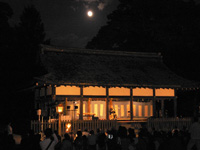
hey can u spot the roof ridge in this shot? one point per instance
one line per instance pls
(95, 51)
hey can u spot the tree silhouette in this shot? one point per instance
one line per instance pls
(31, 34)
(6, 39)
(171, 27)
(5, 13)
(6, 31)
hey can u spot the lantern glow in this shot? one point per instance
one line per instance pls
(67, 126)
(59, 108)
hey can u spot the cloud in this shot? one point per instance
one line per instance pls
(88, 1)
(101, 4)
(73, 8)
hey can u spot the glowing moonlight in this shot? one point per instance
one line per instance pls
(90, 13)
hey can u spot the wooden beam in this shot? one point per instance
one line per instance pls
(65, 106)
(81, 104)
(89, 107)
(163, 108)
(175, 107)
(154, 103)
(107, 103)
(53, 93)
(131, 103)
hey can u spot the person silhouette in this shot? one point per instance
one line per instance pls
(194, 135)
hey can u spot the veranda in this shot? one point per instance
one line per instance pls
(159, 124)
(74, 125)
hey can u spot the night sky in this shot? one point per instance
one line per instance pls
(65, 21)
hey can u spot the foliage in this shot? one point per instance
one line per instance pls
(19, 47)
(5, 29)
(171, 27)
(30, 34)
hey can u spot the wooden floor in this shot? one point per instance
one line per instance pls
(134, 120)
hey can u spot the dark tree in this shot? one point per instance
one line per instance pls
(6, 33)
(24, 65)
(5, 29)
(6, 39)
(30, 35)
(171, 27)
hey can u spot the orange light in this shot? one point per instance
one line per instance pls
(67, 126)
(59, 108)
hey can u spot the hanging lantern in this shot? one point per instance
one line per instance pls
(59, 108)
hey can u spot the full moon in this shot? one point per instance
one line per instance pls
(90, 13)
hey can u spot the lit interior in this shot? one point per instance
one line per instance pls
(67, 90)
(127, 109)
(164, 92)
(142, 92)
(101, 110)
(96, 109)
(134, 110)
(116, 110)
(83, 108)
(122, 110)
(146, 111)
(140, 110)
(100, 91)
(78, 110)
(119, 91)
(151, 112)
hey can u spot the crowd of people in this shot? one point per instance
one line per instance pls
(114, 139)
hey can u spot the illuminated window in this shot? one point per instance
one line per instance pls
(101, 110)
(96, 109)
(140, 110)
(83, 108)
(134, 110)
(151, 110)
(116, 109)
(78, 110)
(127, 109)
(146, 111)
(122, 110)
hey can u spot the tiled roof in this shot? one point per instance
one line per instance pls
(108, 68)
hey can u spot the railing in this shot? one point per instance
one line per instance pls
(104, 125)
(167, 124)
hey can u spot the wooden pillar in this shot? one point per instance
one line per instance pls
(154, 103)
(175, 107)
(107, 103)
(163, 107)
(89, 106)
(53, 98)
(81, 104)
(131, 103)
(110, 104)
(45, 90)
(53, 92)
(65, 106)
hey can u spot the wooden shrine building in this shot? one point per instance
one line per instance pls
(97, 84)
